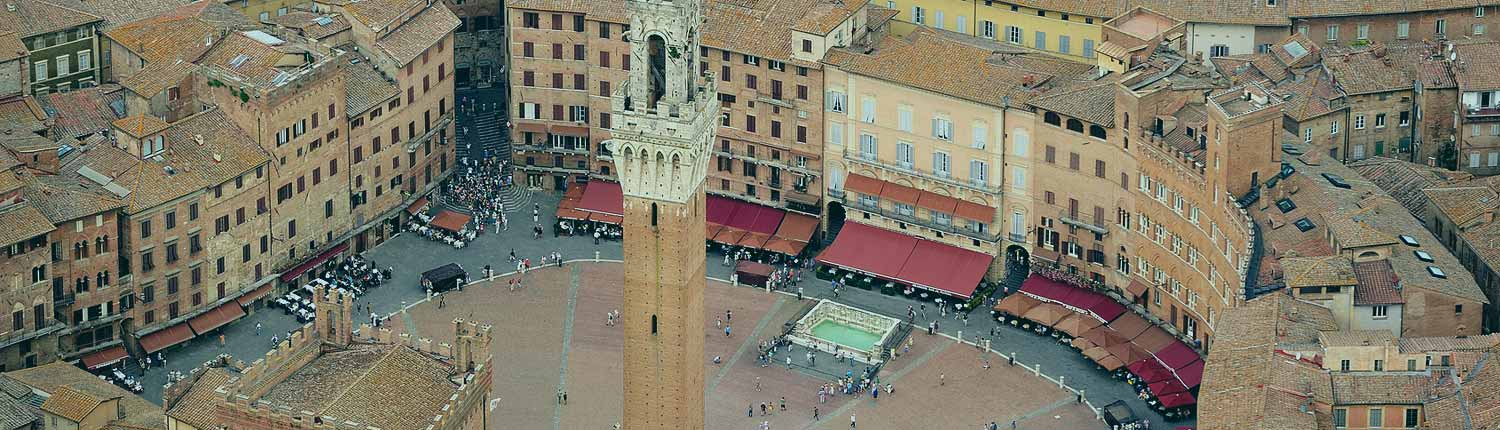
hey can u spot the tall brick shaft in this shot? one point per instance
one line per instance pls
(667, 114)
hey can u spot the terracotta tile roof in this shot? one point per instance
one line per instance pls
(101, 156)
(21, 142)
(140, 125)
(256, 63)
(120, 12)
(1463, 204)
(11, 47)
(1367, 205)
(379, 14)
(313, 25)
(1092, 103)
(1406, 180)
(1361, 388)
(158, 76)
(22, 114)
(1345, 338)
(1312, 96)
(226, 152)
(1329, 8)
(1410, 345)
(50, 378)
(71, 403)
(1351, 231)
(179, 34)
(1469, 405)
(64, 199)
(1477, 62)
(365, 88)
(1384, 68)
(975, 74)
(196, 407)
(417, 34)
(1377, 284)
(22, 221)
(1247, 12)
(1248, 383)
(1322, 271)
(83, 111)
(355, 385)
(36, 17)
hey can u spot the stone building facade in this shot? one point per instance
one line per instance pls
(479, 43)
(565, 57)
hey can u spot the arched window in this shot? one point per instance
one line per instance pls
(1075, 125)
(1052, 118)
(1097, 131)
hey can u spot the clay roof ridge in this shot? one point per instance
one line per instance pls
(357, 381)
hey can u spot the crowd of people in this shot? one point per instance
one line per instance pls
(475, 188)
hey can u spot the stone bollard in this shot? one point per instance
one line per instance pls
(1037, 371)
(596, 255)
(1060, 379)
(960, 336)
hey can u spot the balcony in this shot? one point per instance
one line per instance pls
(12, 338)
(1481, 111)
(64, 300)
(906, 168)
(441, 124)
(550, 149)
(721, 151)
(1017, 237)
(1083, 221)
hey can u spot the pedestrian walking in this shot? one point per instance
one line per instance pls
(726, 331)
(942, 379)
(783, 403)
(257, 328)
(718, 322)
(757, 383)
(815, 413)
(728, 315)
(221, 340)
(851, 421)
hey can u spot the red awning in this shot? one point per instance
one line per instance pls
(797, 227)
(1045, 289)
(575, 193)
(974, 211)
(570, 130)
(720, 210)
(946, 267)
(1177, 356)
(569, 213)
(788, 247)
(1192, 374)
(768, 220)
(869, 250)
(607, 218)
(417, 205)
(451, 221)
(922, 263)
(899, 193)
(937, 203)
(104, 357)
(289, 275)
(161, 339)
(863, 184)
(1150, 371)
(1177, 400)
(216, 318)
(250, 297)
(530, 127)
(603, 197)
(709, 230)
(1136, 288)
(754, 240)
(729, 236)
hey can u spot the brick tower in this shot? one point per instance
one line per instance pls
(666, 116)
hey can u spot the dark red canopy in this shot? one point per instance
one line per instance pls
(1166, 386)
(906, 259)
(1177, 356)
(603, 197)
(1177, 400)
(1191, 375)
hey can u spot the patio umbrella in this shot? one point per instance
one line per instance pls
(1153, 373)
(1076, 324)
(1096, 353)
(1177, 400)
(1128, 352)
(1165, 387)
(1082, 343)
(1110, 363)
(1047, 314)
(1017, 304)
(1104, 336)
(1130, 325)
(1153, 339)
